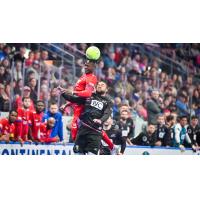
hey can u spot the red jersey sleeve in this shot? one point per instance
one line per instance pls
(89, 88)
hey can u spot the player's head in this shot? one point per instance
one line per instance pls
(194, 120)
(92, 57)
(40, 106)
(27, 91)
(171, 120)
(12, 116)
(53, 108)
(151, 128)
(26, 102)
(51, 122)
(124, 114)
(108, 122)
(155, 94)
(161, 119)
(101, 87)
(89, 66)
(183, 120)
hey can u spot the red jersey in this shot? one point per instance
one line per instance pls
(18, 103)
(24, 115)
(35, 120)
(23, 122)
(44, 134)
(6, 127)
(85, 85)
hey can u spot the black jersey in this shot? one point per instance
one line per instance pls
(144, 139)
(194, 134)
(127, 125)
(163, 135)
(117, 136)
(95, 107)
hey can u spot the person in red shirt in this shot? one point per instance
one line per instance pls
(7, 127)
(45, 131)
(36, 120)
(23, 121)
(19, 101)
(84, 87)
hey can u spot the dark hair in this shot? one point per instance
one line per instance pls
(25, 98)
(194, 117)
(39, 101)
(13, 111)
(183, 116)
(53, 103)
(169, 118)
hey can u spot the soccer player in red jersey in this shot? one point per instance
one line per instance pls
(19, 101)
(84, 87)
(7, 127)
(36, 120)
(23, 121)
(45, 131)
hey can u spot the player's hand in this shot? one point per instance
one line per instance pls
(60, 89)
(158, 143)
(194, 148)
(182, 148)
(115, 150)
(21, 142)
(30, 141)
(98, 121)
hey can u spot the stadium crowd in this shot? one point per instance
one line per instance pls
(139, 85)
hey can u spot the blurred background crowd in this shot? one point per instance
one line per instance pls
(147, 79)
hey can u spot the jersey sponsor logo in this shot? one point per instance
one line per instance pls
(161, 134)
(97, 104)
(189, 131)
(144, 138)
(182, 137)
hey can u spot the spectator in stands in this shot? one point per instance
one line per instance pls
(4, 99)
(18, 70)
(33, 93)
(5, 53)
(109, 60)
(6, 63)
(5, 77)
(7, 127)
(154, 107)
(37, 55)
(147, 137)
(18, 88)
(182, 105)
(30, 59)
(116, 105)
(20, 55)
(58, 128)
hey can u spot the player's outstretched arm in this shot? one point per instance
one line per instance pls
(73, 98)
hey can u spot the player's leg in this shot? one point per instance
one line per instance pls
(74, 127)
(80, 142)
(93, 144)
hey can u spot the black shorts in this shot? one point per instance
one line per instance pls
(87, 141)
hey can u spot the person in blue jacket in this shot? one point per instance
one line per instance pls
(58, 127)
